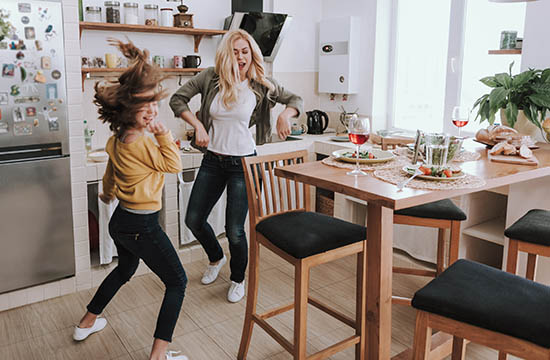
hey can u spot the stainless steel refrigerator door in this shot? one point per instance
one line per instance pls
(36, 234)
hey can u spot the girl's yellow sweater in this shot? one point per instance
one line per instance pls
(135, 171)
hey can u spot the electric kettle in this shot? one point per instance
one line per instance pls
(317, 122)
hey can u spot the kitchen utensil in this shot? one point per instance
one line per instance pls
(193, 61)
(417, 171)
(298, 129)
(317, 122)
(513, 159)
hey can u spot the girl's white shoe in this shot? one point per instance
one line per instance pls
(82, 333)
(173, 355)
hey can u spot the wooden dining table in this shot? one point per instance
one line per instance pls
(383, 198)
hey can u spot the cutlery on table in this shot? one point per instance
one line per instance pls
(417, 171)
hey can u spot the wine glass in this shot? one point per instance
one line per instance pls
(460, 117)
(358, 132)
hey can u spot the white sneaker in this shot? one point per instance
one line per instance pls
(236, 292)
(173, 355)
(82, 333)
(212, 271)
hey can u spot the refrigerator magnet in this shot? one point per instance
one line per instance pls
(8, 70)
(30, 34)
(24, 7)
(39, 77)
(46, 62)
(25, 19)
(56, 74)
(35, 123)
(43, 14)
(31, 111)
(20, 55)
(22, 129)
(14, 90)
(4, 127)
(3, 98)
(3, 45)
(51, 91)
(38, 45)
(18, 114)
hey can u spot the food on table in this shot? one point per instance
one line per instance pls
(496, 133)
(362, 155)
(525, 152)
(503, 148)
(442, 173)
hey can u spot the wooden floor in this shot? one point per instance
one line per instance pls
(209, 328)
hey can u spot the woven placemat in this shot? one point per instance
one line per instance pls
(462, 156)
(398, 161)
(397, 175)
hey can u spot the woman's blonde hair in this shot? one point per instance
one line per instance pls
(120, 100)
(228, 69)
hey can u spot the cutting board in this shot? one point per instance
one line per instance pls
(514, 159)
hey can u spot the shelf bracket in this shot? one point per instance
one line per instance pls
(198, 39)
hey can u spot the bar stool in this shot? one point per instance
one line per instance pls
(281, 220)
(530, 234)
(442, 214)
(487, 306)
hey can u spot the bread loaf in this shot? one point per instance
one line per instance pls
(483, 135)
(500, 132)
(498, 148)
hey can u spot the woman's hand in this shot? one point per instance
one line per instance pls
(157, 128)
(283, 125)
(105, 199)
(201, 136)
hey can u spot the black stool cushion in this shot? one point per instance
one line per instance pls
(533, 227)
(486, 297)
(302, 234)
(442, 209)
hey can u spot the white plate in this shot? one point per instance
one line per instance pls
(455, 176)
(380, 156)
(340, 138)
(98, 156)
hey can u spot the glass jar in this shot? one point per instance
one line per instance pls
(131, 13)
(151, 15)
(93, 13)
(112, 12)
(166, 17)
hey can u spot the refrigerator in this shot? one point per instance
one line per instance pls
(36, 222)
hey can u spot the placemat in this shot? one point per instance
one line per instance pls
(398, 161)
(397, 175)
(462, 156)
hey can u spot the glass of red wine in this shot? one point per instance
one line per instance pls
(358, 132)
(460, 117)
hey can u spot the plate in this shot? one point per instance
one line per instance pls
(380, 156)
(456, 176)
(98, 156)
(340, 138)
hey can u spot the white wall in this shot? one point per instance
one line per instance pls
(536, 44)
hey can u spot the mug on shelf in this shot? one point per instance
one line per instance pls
(158, 60)
(193, 61)
(298, 129)
(112, 61)
(179, 61)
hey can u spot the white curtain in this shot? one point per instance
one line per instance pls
(107, 248)
(216, 218)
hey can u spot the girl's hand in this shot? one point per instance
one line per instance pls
(157, 128)
(105, 199)
(201, 136)
(283, 125)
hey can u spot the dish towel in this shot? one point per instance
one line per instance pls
(107, 248)
(216, 218)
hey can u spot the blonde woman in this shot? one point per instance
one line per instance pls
(235, 95)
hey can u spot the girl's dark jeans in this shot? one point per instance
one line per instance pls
(138, 236)
(217, 172)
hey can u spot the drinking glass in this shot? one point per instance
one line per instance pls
(358, 132)
(460, 117)
(437, 148)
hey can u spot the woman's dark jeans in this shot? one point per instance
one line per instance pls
(217, 172)
(137, 237)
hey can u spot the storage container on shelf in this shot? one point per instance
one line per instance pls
(112, 12)
(131, 13)
(151, 14)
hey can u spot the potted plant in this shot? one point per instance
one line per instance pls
(522, 99)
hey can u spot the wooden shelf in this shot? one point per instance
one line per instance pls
(198, 34)
(505, 52)
(87, 72)
(492, 230)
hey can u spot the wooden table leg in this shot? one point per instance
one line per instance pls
(379, 281)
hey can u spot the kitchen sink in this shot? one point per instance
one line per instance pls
(276, 139)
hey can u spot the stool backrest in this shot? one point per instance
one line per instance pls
(268, 194)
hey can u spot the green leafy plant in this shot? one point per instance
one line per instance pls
(528, 91)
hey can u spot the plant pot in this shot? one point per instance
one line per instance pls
(524, 126)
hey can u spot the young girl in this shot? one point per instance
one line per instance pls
(235, 95)
(135, 176)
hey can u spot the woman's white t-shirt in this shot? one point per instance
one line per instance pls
(229, 134)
